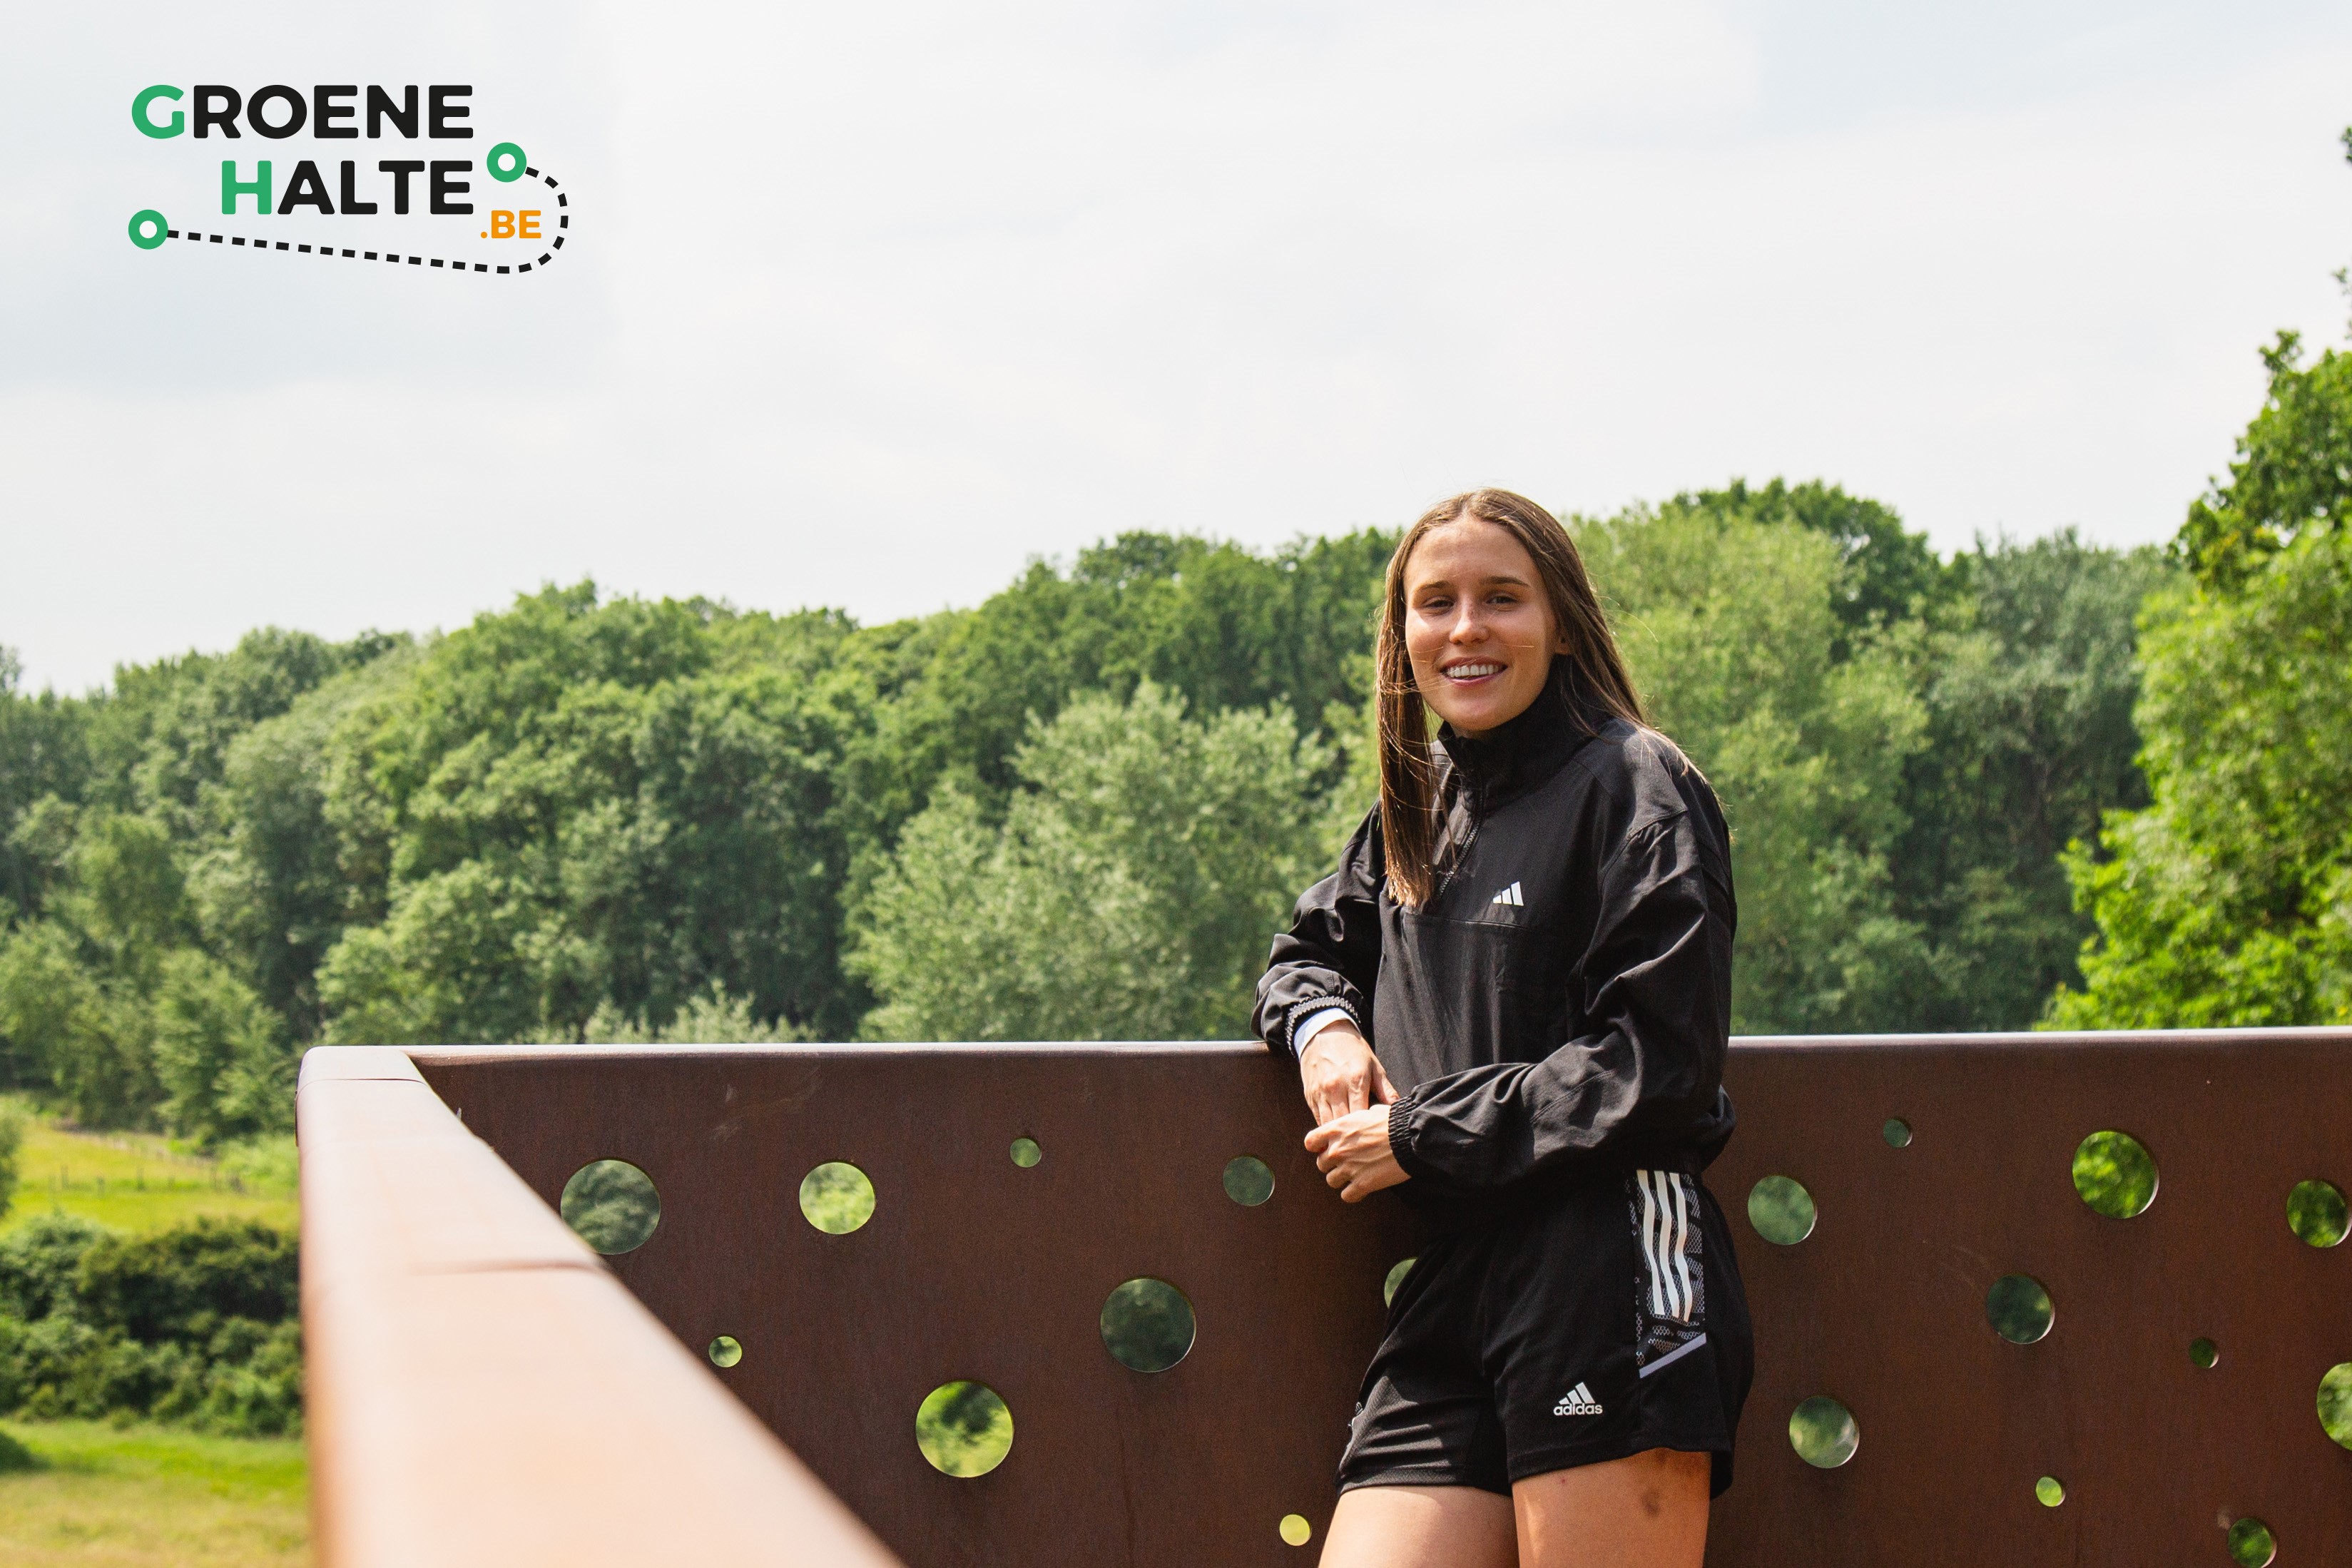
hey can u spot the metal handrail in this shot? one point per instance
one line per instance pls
(483, 1391)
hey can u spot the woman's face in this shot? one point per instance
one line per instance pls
(1477, 626)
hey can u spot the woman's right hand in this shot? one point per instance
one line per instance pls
(1340, 1075)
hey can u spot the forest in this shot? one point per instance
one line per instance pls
(2035, 782)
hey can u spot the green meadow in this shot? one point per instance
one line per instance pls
(83, 1494)
(138, 1181)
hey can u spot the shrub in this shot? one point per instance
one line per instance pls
(182, 1283)
(194, 1325)
(40, 1263)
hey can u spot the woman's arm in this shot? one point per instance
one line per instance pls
(1330, 956)
(1648, 1069)
(1314, 1002)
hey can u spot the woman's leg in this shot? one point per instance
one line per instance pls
(1422, 1527)
(1648, 1511)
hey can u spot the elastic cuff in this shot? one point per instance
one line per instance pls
(1307, 1011)
(1402, 1132)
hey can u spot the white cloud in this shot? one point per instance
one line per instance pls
(868, 303)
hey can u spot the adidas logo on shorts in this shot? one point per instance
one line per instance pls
(1577, 1401)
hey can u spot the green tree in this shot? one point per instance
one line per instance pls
(60, 1027)
(50, 1004)
(1130, 892)
(2029, 685)
(268, 878)
(1221, 625)
(44, 755)
(77, 988)
(2228, 900)
(220, 1060)
(2293, 475)
(160, 738)
(573, 804)
(1733, 624)
(710, 1017)
(1890, 574)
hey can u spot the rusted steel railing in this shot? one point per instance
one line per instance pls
(483, 1391)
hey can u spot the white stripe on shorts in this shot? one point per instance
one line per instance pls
(1650, 1245)
(1682, 1243)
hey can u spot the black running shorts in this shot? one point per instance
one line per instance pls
(1601, 1321)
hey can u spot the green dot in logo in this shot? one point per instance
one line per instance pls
(142, 222)
(501, 169)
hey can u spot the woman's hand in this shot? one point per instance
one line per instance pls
(1339, 1073)
(1354, 1153)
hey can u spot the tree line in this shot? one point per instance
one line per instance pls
(2031, 782)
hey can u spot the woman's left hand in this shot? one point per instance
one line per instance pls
(1354, 1156)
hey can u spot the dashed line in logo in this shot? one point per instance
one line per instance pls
(161, 231)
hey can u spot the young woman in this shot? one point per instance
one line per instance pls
(1533, 931)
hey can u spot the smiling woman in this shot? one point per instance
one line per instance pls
(1481, 593)
(1535, 926)
(1476, 628)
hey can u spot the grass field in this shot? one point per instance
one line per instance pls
(148, 1497)
(136, 1181)
(97, 1496)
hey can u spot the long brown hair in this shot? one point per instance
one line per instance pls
(1410, 809)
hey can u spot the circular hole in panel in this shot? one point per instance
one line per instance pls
(2116, 1174)
(2019, 1309)
(1247, 1181)
(836, 1198)
(2204, 1353)
(1897, 1132)
(2314, 1211)
(2252, 1544)
(2049, 1492)
(1147, 1324)
(1025, 1152)
(725, 1350)
(963, 1429)
(612, 1205)
(1781, 1210)
(1395, 1278)
(1823, 1432)
(2335, 1402)
(1295, 1530)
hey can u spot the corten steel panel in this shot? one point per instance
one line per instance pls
(1883, 1307)
(972, 1268)
(480, 1387)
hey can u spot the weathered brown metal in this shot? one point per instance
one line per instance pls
(1882, 1308)
(483, 1393)
(974, 1267)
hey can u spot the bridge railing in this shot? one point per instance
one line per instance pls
(2003, 1370)
(483, 1391)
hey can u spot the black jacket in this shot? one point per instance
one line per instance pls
(1562, 1003)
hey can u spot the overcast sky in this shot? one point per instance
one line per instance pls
(865, 305)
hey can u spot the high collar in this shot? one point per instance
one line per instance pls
(1513, 758)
